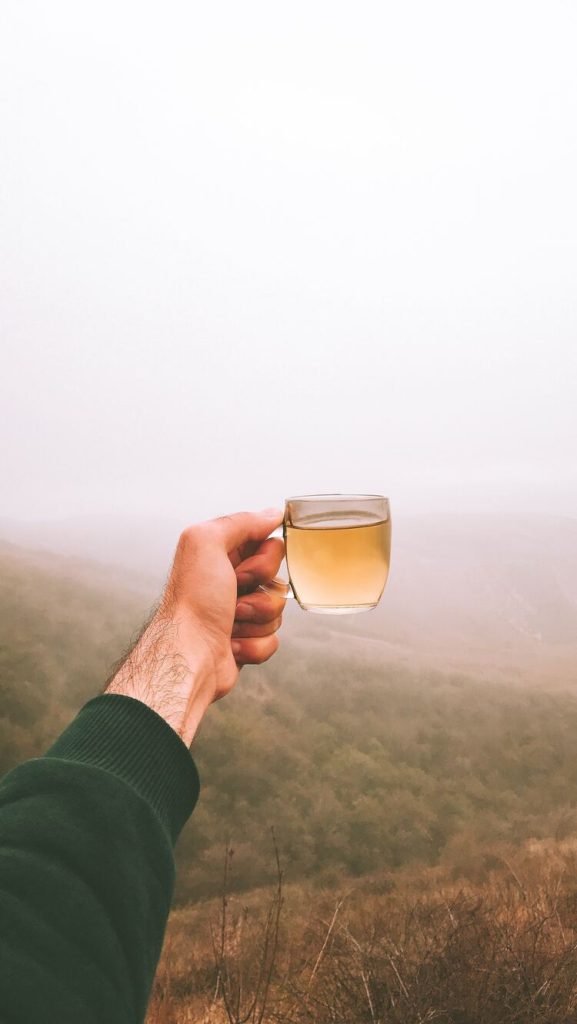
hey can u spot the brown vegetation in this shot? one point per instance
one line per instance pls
(498, 947)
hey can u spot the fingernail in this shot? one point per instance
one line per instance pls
(235, 647)
(245, 579)
(272, 512)
(244, 611)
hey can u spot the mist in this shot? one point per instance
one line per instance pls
(250, 251)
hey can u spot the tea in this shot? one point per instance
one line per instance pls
(340, 565)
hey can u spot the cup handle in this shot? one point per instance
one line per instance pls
(277, 586)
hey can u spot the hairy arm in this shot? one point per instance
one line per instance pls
(159, 673)
(87, 831)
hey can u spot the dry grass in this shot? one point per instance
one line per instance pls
(497, 947)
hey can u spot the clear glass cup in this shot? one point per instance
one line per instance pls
(337, 549)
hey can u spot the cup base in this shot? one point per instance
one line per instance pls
(341, 609)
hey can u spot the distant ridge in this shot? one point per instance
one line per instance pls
(494, 594)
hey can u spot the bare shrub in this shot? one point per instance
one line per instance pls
(500, 951)
(245, 951)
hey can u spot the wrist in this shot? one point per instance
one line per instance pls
(171, 671)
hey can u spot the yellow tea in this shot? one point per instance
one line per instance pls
(340, 565)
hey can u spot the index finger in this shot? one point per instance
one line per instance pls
(242, 527)
(263, 565)
(259, 606)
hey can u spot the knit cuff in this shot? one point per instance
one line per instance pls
(127, 738)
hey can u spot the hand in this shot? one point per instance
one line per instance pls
(211, 620)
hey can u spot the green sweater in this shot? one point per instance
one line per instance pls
(86, 866)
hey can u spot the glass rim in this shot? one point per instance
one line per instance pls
(337, 497)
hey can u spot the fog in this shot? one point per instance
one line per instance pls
(252, 250)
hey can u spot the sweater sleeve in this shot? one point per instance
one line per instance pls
(86, 866)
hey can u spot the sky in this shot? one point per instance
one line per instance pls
(255, 250)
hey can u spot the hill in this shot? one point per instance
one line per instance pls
(357, 761)
(494, 595)
(63, 623)
(496, 945)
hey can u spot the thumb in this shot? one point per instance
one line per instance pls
(241, 527)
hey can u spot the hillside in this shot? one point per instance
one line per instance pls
(493, 595)
(358, 762)
(63, 623)
(493, 945)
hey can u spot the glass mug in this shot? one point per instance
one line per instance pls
(337, 549)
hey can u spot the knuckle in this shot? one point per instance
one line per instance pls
(262, 613)
(191, 537)
(262, 653)
(223, 519)
(231, 517)
(270, 648)
(210, 526)
(187, 537)
(274, 606)
(260, 610)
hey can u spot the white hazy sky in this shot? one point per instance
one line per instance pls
(257, 249)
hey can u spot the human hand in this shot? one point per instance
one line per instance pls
(211, 620)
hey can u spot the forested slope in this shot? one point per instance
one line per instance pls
(357, 764)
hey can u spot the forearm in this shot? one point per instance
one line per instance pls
(170, 670)
(86, 866)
